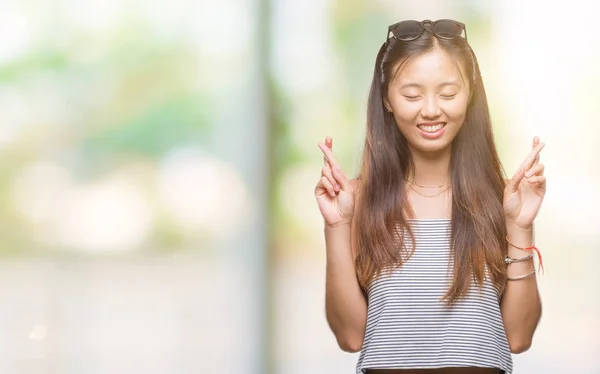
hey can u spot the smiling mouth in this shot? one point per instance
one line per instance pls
(432, 127)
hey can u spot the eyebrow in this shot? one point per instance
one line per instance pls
(440, 85)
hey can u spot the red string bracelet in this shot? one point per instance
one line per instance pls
(533, 247)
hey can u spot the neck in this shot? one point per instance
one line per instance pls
(431, 168)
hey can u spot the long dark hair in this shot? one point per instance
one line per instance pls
(382, 210)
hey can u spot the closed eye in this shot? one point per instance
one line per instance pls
(411, 98)
(448, 97)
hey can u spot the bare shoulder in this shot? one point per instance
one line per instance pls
(355, 183)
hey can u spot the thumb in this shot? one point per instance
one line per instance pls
(513, 184)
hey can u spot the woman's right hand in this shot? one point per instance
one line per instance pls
(334, 192)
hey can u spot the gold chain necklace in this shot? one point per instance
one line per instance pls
(418, 185)
(437, 194)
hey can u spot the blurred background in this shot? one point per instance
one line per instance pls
(158, 162)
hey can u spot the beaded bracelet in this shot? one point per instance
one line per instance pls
(533, 247)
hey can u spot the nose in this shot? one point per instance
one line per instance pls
(430, 108)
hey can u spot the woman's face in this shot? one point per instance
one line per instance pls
(429, 98)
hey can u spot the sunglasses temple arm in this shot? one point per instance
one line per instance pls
(466, 35)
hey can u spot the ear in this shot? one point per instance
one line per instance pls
(387, 105)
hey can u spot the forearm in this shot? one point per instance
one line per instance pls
(521, 306)
(346, 307)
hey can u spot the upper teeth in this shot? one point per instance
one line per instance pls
(433, 128)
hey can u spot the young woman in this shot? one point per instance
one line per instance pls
(430, 265)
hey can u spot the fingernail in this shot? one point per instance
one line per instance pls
(528, 174)
(337, 186)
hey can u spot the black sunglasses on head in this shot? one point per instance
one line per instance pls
(411, 30)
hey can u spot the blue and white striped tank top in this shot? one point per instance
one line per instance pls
(409, 327)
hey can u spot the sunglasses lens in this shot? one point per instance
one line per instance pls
(407, 30)
(447, 29)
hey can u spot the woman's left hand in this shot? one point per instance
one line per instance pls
(525, 192)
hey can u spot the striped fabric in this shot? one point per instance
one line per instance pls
(408, 327)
